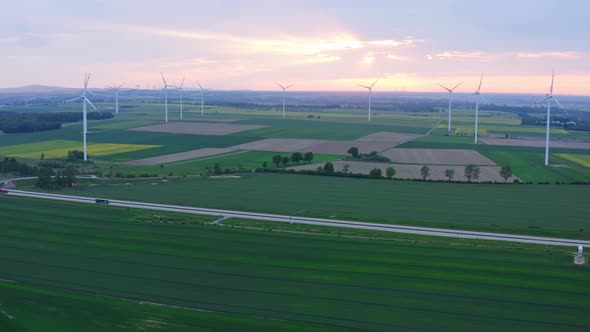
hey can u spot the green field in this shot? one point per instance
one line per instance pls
(556, 210)
(73, 264)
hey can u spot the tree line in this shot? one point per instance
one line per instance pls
(12, 122)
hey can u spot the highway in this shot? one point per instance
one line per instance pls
(452, 233)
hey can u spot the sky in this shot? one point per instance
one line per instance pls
(331, 45)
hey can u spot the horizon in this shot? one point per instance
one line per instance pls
(331, 46)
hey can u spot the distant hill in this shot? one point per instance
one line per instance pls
(36, 89)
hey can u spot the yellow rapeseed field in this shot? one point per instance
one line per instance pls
(580, 159)
(60, 148)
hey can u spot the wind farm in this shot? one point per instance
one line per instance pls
(322, 170)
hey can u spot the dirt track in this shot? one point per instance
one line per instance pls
(315, 146)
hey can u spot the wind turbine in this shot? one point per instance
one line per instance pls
(370, 88)
(450, 101)
(477, 95)
(284, 89)
(549, 97)
(165, 88)
(84, 113)
(180, 88)
(200, 87)
(116, 88)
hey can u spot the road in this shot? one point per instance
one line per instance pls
(315, 221)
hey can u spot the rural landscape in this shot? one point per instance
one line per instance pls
(174, 203)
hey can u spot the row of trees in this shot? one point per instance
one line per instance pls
(15, 167)
(373, 156)
(296, 157)
(50, 179)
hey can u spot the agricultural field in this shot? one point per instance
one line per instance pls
(437, 157)
(198, 128)
(492, 207)
(67, 266)
(412, 171)
(580, 159)
(49, 150)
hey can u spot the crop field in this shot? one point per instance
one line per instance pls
(93, 257)
(397, 138)
(468, 206)
(48, 148)
(197, 128)
(538, 143)
(437, 157)
(580, 159)
(170, 158)
(526, 162)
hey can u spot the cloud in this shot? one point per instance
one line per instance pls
(462, 55)
(369, 59)
(545, 55)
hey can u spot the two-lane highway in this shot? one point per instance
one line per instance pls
(315, 221)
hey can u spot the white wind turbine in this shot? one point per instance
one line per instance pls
(201, 88)
(165, 88)
(284, 89)
(450, 101)
(116, 88)
(370, 88)
(549, 97)
(84, 113)
(477, 95)
(180, 88)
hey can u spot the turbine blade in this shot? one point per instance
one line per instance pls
(372, 85)
(456, 86)
(484, 100)
(74, 99)
(444, 87)
(541, 100)
(552, 79)
(182, 83)
(288, 86)
(282, 87)
(199, 83)
(89, 102)
(364, 86)
(163, 79)
(480, 80)
(90, 92)
(555, 100)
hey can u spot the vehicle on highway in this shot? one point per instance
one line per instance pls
(3, 191)
(102, 201)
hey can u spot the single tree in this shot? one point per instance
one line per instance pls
(265, 164)
(42, 156)
(285, 160)
(276, 159)
(353, 151)
(390, 172)
(450, 174)
(471, 172)
(375, 173)
(308, 157)
(217, 169)
(44, 177)
(296, 157)
(345, 168)
(506, 172)
(425, 172)
(329, 168)
(69, 175)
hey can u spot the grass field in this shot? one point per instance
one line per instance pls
(64, 255)
(476, 206)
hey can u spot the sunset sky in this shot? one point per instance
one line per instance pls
(316, 45)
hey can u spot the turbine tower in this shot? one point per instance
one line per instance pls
(284, 89)
(370, 88)
(478, 95)
(116, 88)
(84, 113)
(450, 101)
(165, 88)
(200, 87)
(180, 88)
(549, 98)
